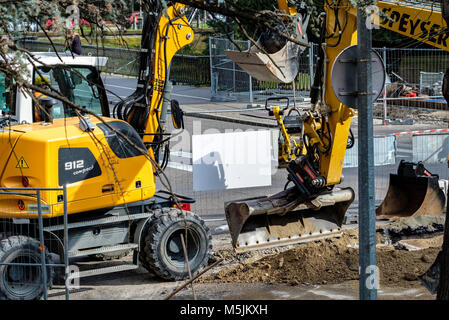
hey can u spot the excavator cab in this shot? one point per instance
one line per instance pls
(413, 191)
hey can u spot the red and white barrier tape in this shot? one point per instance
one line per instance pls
(411, 132)
(421, 131)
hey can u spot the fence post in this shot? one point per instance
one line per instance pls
(251, 99)
(212, 82)
(66, 251)
(311, 62)
(41, 245)
(384, 56)
(233, 66)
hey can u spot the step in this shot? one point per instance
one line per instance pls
(100, 221)
(95, 272)
(89, 252)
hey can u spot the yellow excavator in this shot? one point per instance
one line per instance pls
(314, 207)
(108, 167)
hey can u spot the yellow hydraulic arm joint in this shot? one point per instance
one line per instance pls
(341, 32)
(288, 153)
(173, 33)
(283, 6)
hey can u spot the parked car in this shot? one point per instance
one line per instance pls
(51, 22)
(136, 18)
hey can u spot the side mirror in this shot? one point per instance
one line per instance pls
(47, 105)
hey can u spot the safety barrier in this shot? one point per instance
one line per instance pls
(384, 152)
(431, 148)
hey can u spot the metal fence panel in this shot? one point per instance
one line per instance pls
(431, 148)
(384, 152)
(431, 83)
(231, 83)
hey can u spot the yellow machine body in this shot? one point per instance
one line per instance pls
(49, 155)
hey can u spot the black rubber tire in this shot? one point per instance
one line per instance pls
(27, 250)
(163, 253)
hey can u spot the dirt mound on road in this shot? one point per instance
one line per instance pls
(329, 261)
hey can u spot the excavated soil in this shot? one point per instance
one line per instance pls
(328, 261)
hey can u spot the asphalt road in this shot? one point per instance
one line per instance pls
(210, 204)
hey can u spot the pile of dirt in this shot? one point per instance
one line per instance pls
(419, 244)
(327, 262)
(407, 112)
(414, 226)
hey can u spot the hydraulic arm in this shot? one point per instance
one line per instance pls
(164, 33)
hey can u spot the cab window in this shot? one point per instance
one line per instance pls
(78, 84)
(7, 95)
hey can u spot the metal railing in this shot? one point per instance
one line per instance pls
(8, 230)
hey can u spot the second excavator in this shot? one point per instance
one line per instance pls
(313, 150)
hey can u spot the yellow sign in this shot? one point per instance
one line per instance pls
(22, 164)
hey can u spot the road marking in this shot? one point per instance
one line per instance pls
(186, 96)
(180, 166)
(121, 87)
(181, 154)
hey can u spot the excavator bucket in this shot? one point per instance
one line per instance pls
(285, 218)
(281, 66)
(412, 192)
(271, 58)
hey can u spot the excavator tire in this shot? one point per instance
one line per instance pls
(163, 253)
(19, 282)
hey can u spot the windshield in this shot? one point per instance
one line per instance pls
(78, 85)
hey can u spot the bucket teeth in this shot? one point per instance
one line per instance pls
(284, 218)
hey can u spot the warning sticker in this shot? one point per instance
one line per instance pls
(22, 164)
